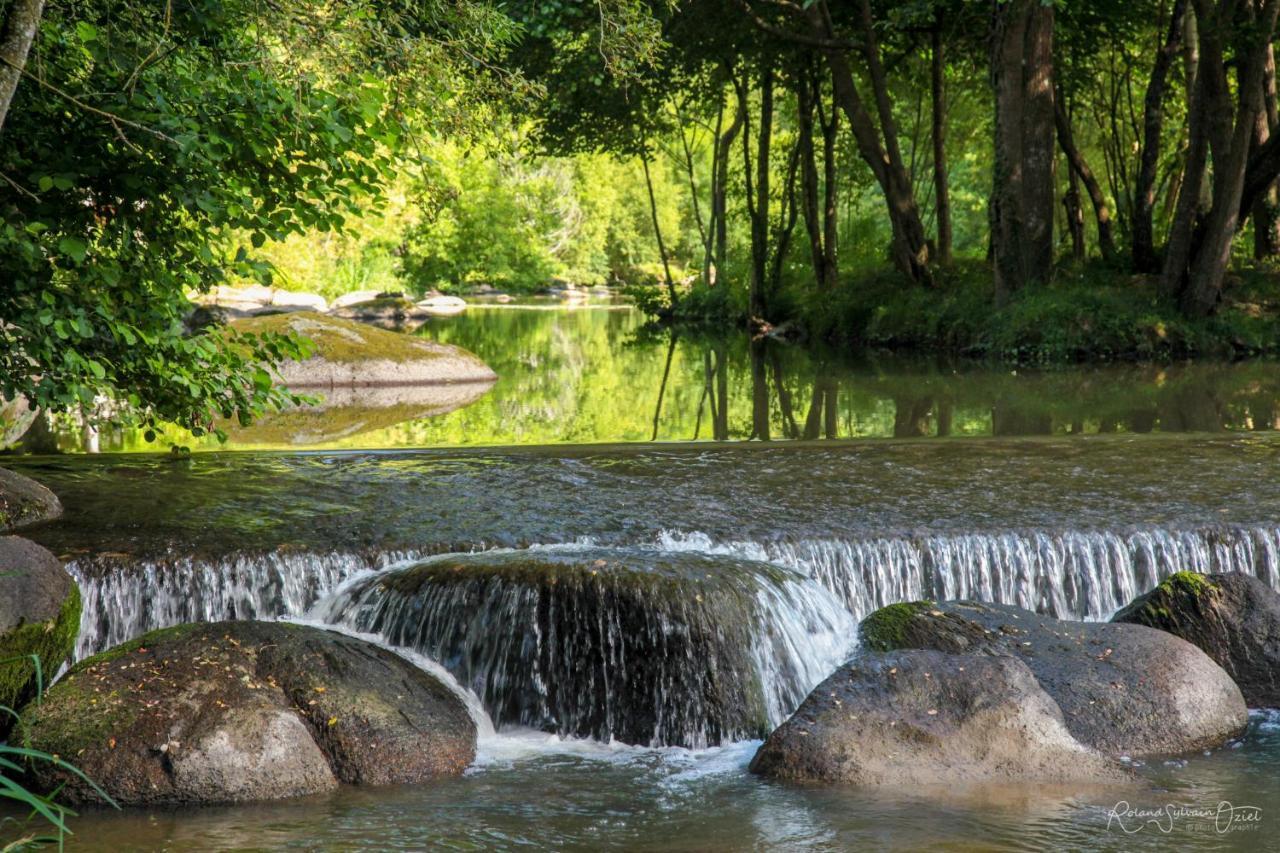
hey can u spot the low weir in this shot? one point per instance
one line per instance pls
(684, 641)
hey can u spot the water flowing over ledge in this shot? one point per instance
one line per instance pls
(1086, 574)
(1069, 575)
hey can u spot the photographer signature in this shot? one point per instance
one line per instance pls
(1225, 817)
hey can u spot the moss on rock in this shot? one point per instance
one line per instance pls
(887, 628)
(52, 641)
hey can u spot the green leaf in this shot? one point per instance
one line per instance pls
(74, 248)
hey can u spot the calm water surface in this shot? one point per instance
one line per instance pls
(597, 374)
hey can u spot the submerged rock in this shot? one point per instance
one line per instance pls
(1234, 618)
(351, 355)
(442, 305)
(239, 711)
(913, 718)
(1123, 689)
(644, 647)
(39, 615)
(23, 501)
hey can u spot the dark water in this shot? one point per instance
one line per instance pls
(596, 374)
(1078, 490)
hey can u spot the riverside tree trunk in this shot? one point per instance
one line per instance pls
(1023, 192)
(818, 195)
(657, 229)
(877, 146)
(1266, 221)
(1079, 169)
(719, 182)
(942, 194)
(1247, 29)
(1144, 254)
(17, 32)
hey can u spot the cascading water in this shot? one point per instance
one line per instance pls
(1070, 575)
(123, 598)
(634, 645)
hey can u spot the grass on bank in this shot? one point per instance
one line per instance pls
(1092, 313)
(45, 822)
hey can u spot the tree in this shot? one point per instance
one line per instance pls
(17, 31)
(158, 147)
(1023, 195)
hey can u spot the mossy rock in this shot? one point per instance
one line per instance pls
(241, 711)
(39, 616)
(1124, 689)
(24, 502)
(386, 311)
(643, 647)
(353, 355)
(1234, 618)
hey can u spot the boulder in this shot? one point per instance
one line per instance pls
(257, 298)
(442, 306)
(354, 298)
(23, 501)
(644, 647)
(914, 718)
(1126, 690)
(393, 312)
(39, 615)
(239, 711)
(16, 417)
(1234, 618)
(351, 355)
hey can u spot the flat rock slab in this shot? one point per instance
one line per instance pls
(24, 502)
(354, 355)
(1234, 618)
(239, 711)
(1126, 690)
(914, 718)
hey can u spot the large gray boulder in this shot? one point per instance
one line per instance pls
(348, 354)
(23, 502)
(1234, 618)
(238, 711)
(39, 615)
(912, 718)
(1126, 690)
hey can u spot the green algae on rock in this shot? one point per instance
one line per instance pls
(350, 354)
(241, 711)
(1124, 689)
(39, 616)
(1234, 618)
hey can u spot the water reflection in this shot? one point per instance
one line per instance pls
(596, 373)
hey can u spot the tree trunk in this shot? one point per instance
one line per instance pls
(724, 147)
(657, 229)
(1075, 216)
(19, 30)
(942, 203)
(758, 196)
(1230, 140)
(1144, 255)
(910, 247)
(1039, 190)
(1266, 222)
(1079, 168)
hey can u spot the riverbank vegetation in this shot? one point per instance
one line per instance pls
(1022, 180)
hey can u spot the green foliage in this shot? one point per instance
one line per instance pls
(165, 146)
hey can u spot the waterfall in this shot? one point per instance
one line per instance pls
(124, 598)
(1070, 575)
(629, 644)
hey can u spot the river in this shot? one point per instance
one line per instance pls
(1068, 491)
